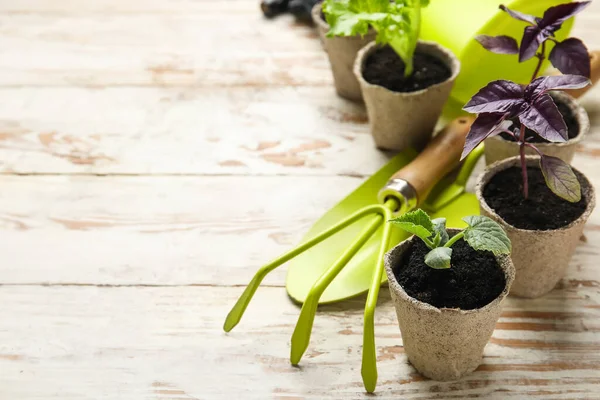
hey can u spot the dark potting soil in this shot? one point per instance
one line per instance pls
(473, 280)
(530, 136)
(385, 68)
(543, 209)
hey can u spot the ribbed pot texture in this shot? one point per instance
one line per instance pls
(443, 344)
(497, 148)
(342, 51)
(401, 120)
(540, 257)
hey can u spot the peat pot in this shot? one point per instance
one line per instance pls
(444, 343)
(540, 256)
(401, 119)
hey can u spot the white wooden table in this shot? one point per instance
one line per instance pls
(154, 154)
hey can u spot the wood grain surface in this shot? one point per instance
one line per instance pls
(153, 154)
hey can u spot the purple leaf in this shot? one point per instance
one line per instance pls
(560, 178)
(518, 15)
(543, 84)
(498, 44)
(571, 57)
(483, 126)
(543, 118)
(497, 97)
(555, 16)
(533, 37)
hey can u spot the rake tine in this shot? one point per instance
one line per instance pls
(369, 356)
(302, 332)
(236, 313)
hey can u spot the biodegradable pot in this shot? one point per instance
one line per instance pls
(540, 257)
(342, 51)
(443, 344)
(497, 148)
(401, 120)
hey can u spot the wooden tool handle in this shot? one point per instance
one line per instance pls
(594, 75)
(440, 157)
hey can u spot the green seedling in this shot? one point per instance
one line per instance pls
(397, 22)
(481, 233)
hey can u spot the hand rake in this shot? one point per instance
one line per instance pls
(405, 190)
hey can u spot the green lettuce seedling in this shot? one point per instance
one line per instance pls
(481, 233)
(397, 22)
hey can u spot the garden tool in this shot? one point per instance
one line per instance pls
(454, 24)
(405, 190)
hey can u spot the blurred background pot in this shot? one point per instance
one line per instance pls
(342, 51)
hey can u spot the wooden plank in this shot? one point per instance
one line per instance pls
(306, 131)
(176, 230)
(159, 50)
(167, 343)
(110, 43)
(241, 131)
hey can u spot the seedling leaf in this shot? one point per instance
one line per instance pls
(498, 96)
(482, 233)
(485, 125)
(518, 15)
(416, 222)
(439, 258)
(498, 44)
(543, 84)
(560, 178)
(543, 117)
(439, 226)
(571, 57)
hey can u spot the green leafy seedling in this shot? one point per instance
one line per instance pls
(481, 233)
(397, 22)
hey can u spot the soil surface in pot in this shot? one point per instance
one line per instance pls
(532, 137)
(543, 209)
(474, 279)
(385, 68)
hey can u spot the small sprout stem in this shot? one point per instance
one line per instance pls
(534, 148)
(541, 57)
(523, 162)
(454, 239)
(429, 243)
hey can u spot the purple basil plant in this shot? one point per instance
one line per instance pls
(531, 105)
(569, 56)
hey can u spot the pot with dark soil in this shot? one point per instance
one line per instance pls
(404, 82)
(342, 51)
(447, 287)
(531, 106)
(403, 110)
(544, 228)
(503, 146)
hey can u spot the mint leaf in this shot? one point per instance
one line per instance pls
(439, 228)
(560, 178)
(416, 222)
(439, 258)
(482, 233)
